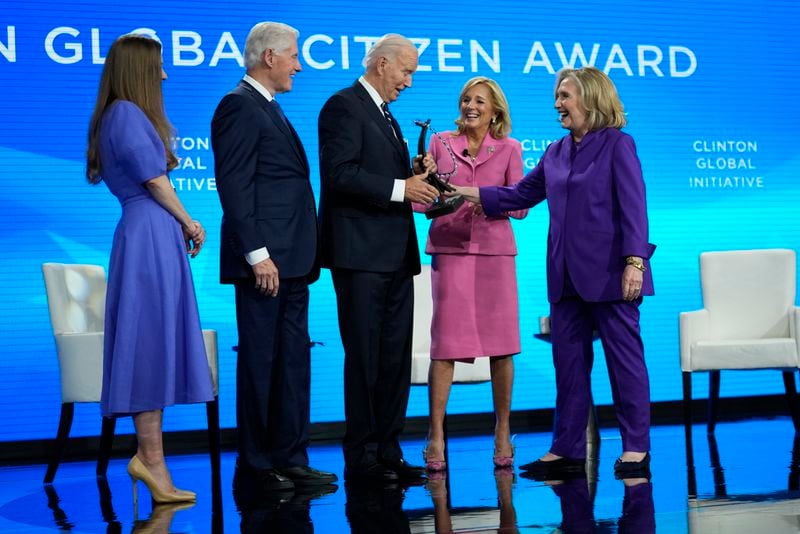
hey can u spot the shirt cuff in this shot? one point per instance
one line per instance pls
(398, 191)
(257, 256)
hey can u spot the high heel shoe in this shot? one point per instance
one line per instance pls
(505, 461)
(160, 520)
(138, 471)
(433, 466)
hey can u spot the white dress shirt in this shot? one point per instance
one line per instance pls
(399, 188)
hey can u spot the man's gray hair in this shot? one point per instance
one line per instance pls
(387, 46)
(275, 35)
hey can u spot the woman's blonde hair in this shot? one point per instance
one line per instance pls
(599, 97)
(501, 126)
(132, 72)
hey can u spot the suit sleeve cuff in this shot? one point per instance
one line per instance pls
(257, 256)
(490, 201)
(399, 191)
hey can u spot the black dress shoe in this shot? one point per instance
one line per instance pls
(560, 469)
(271, 480)
(640, 469)
(249, 479)
(406, 471)
(303, 475)
(373, 472)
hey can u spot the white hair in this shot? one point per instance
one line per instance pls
(264, 35)
(387, 46)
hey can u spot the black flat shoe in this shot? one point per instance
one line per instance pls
(560, 469)
(303, 475)
(553, 475)
(554, 467)
(640, 469)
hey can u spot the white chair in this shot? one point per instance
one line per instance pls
(76, 296)
(749, 321)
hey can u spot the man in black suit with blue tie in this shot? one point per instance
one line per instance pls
(370, 245)
(269, 253)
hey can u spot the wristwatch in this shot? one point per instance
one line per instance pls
(636, 262)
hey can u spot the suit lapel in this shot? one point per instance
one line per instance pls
(488, 148)
(285, 127)
(377, 115)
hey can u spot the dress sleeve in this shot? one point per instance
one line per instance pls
(136, 143)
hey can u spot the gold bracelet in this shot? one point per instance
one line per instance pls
(636, 262)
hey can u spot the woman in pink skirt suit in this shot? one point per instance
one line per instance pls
(474, 279)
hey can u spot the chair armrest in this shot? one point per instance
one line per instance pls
(694, 326)
(80, 357)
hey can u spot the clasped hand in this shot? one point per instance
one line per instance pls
(195, 236)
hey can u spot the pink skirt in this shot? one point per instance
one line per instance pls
(475, 308)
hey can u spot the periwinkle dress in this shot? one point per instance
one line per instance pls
(153, 354)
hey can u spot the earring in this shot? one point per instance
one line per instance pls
(494, 120)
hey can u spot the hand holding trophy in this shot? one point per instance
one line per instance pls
(440, 206)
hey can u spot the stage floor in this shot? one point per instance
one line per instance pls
(744, 484)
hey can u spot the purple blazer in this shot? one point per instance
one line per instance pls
(598, 212)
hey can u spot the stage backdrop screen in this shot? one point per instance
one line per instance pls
(710, 89)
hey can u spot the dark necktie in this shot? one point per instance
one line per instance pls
(390, 119)
(278, 109)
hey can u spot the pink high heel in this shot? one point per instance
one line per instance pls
(501, 462)
(433, 466)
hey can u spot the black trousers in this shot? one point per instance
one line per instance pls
(273, 375)
(375, 323)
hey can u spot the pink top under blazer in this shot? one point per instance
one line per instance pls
(499, 162)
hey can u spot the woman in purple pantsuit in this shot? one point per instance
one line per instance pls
(154, 354)
(597, 266)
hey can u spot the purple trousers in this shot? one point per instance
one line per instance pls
(572, 321)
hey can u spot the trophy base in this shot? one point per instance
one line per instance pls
(444, 208)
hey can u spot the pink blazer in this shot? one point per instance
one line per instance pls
(499, 162)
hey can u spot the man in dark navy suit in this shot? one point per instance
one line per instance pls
(370, 245)
(269, 253)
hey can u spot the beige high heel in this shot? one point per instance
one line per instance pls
(138, 471)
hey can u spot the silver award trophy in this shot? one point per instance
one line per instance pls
(442, 205)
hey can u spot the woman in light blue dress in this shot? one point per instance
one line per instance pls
(154, 354)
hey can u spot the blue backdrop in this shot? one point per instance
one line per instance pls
(710, 90)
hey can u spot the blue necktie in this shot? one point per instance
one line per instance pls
(390, 119)
(280, 112)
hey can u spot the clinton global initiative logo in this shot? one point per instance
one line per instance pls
(725, 164)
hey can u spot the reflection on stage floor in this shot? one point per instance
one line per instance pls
(744, 480)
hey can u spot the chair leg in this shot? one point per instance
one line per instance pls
(444, 434)
(713, 400)
(212, 412)
(446, 461)
(687, 427)
(791, 397)
(794, 469)
(720, 487)
(106, 441)
(64, 426)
